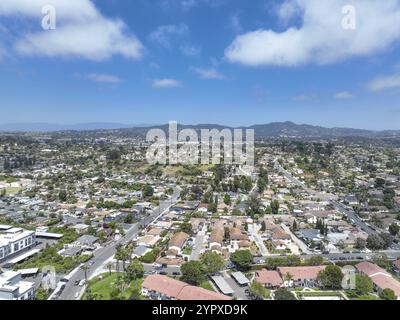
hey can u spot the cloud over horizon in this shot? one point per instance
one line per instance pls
(165, 83)
(82, 31)
(321, 38)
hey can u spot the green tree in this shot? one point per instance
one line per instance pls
(109, 267)
(192, 272)
(274, 206)
(211, 262)
(375, 242)
(227, 200)
(387, 294)
(361, 244)
(331, 277)
(42, 294)
(364, 284)
(261, 185)
(394, 229)
(115, 293)
(85, 269)
(62, 196)
(129, 218)
(283, 294)
(258, 291)
(315, 261)
(294, 226)
(186, 227)
(135, 270)
(148, 191)
(242, 259)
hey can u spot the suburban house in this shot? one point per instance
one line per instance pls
(159, 287)
(177, 243)
(300, 276)
(380, 277)
(237, 238)
(313, 216)
(269, 279)
(216, 239)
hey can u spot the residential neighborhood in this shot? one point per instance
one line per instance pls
(103, 225)
(199, 158)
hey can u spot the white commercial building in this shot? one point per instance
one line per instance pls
(12, 287)
(14, 241)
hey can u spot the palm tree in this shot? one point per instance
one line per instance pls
(109, 266)
(121, 255)
(117, 257)
(129, 250)
(288, 277)
(85, 269)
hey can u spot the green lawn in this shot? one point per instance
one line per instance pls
(13, 190)
(103, 287)
(206, 285)
(320, 294)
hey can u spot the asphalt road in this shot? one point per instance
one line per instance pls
(169, 270)
(354, 218)
(336, 257)
(103, 254)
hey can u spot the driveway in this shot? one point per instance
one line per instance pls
(198, 244)
(296, 240)
(253, 231)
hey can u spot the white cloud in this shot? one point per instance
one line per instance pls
(164, 35)
(344, 95)
(306, 98)
(104, 78)
(235, 24)
(288, 10)
(187, 5)
(190, 50)
(382, 83)
(209, 74)
(165, 83)
(321, 38)
(82, 31)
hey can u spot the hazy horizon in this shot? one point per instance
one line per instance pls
(201, 61)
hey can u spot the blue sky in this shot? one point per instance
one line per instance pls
(233, 62)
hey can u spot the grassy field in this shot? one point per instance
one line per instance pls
(103, 287)
(13, 190)
(206, 285)
(320, 294)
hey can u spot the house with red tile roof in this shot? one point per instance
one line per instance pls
(269, 279)
(177, 243)
(159, 287)
(380, 277)
(306, 276)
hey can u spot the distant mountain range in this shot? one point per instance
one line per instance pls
(50, 127)
(276, 129)
(281, 129)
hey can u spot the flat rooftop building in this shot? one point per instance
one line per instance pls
(14, 241)
(12, 287)
(222, 285)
